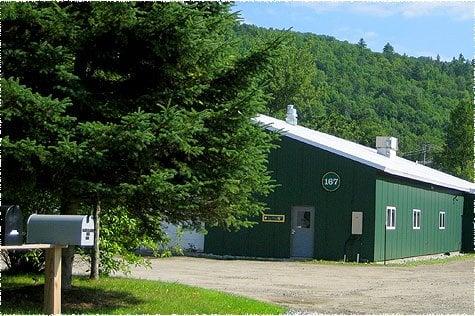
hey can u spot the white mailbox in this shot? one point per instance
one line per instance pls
(60, 230)
(356, 223)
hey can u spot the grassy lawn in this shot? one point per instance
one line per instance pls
(20, 295)
(408, 263)
(447, 259)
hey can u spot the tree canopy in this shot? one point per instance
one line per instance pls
(146, 106)
(457, 156)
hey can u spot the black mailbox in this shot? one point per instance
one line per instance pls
(11, 225)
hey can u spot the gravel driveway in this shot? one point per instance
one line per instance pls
(330, 288)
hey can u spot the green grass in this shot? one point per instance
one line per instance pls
(411, 263)
(447, 259)
(20, 295)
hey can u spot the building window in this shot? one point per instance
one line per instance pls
(441, 220)
(303, 219)
(390, 217)
(416, 219)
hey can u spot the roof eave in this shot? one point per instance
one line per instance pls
(380, 166)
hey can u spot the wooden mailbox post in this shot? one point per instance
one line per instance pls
(52, 233)
(52, 292)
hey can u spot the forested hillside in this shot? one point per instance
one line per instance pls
(350, 91)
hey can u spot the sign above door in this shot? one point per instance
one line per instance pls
(273, 218)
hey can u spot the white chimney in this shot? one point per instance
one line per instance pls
(291, 117)
(387, 146)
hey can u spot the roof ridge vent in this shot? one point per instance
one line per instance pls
(387, 146)
(291, 117)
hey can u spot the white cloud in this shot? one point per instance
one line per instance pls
(319, 6)
(457, 10)
(353, 35)
(401, 49)
(247, 21)
(373, 9)
(369, 35)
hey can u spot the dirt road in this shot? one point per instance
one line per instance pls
(330, 288)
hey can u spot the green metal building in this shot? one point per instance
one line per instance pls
(340, 200)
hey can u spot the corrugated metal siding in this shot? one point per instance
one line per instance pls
(404, 241)
(468, 229)
(264, 240)
(298, 168)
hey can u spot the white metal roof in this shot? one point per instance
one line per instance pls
(396, 165)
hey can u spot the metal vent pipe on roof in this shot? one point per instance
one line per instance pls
(387, 146)
(291, 117)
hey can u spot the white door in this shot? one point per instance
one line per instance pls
(302, 232)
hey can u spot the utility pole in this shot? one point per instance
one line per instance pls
(424, 153)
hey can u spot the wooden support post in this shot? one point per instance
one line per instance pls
(52, 299)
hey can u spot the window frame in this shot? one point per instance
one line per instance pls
(418, 221)
(389, 218)
(444, 220)
(302, 221)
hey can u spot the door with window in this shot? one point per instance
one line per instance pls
(302, 232)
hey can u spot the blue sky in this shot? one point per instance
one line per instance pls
(415, 28)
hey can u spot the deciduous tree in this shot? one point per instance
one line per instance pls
(457, 156)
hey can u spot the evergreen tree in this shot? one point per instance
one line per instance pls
(139, 110)
(361, 43)
(388, 49)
